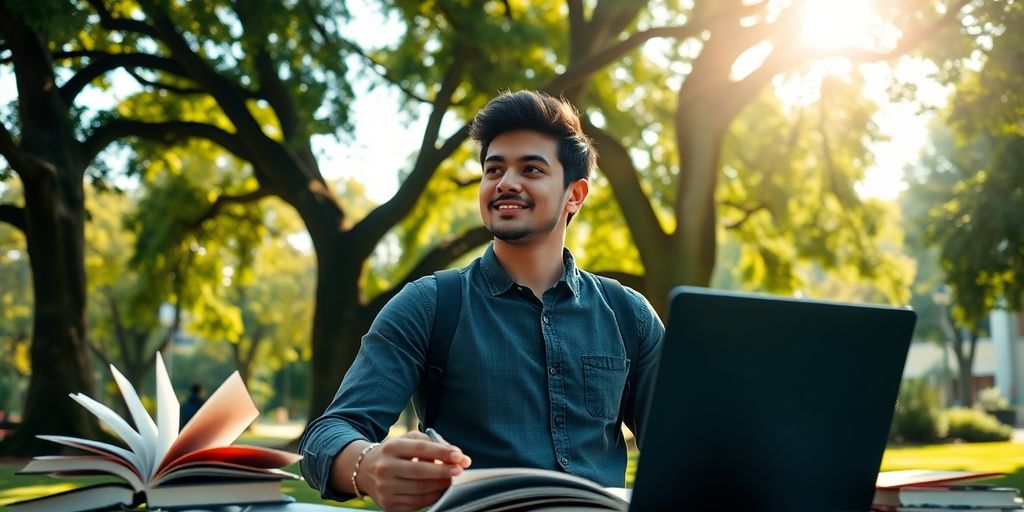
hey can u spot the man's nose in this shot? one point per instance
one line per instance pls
(509, 182)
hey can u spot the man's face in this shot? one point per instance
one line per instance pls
(522, 193)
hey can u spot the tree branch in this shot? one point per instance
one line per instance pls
(145, 82)
(378, 68)
(109, 22)
(226, 199)
(618, 167)
(577, 28)
(786, 58)
(382, 218)
(438, 257)
(14, 215)
(274, 92)
(580, 70)
(106, 62)
(23, 163)
(465, 182)
(747, 212)
(10, 150)
(168, 132)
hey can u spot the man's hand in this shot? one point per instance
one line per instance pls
(410, 472)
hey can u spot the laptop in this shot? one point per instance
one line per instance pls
(770, 403)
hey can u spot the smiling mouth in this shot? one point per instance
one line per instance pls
(509, 204)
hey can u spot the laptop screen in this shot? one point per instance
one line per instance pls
(770, 403)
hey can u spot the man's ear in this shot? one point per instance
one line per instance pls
(578, 192)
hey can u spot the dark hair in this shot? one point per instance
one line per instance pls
(538, 111)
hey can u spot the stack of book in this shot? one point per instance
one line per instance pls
(938, 491)
(160, 466)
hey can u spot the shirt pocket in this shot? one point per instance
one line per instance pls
(604, 378)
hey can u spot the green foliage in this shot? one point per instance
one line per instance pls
(788, 198)
(241, 278)
(918, 417)
(974, 426)
(973, 175)
(598, 236)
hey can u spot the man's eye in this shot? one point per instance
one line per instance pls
(492, 170)
(533, 170)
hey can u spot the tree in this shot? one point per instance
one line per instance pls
(972, 175)
(671, 116)
(260, 81)
(43, 147)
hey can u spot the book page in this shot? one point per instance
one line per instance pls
(221, 419)
(480, 489)
(889, 479)
(143, 423)
(112, 420)
(96, 447)
(253, 456)
(167, 414)
(80, 464)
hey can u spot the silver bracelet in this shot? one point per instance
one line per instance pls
(355, 470)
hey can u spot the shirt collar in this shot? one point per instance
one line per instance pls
(498, 281)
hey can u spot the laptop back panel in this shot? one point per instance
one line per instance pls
(769, 403)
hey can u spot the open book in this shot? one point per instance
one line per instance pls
(935, 491)
(494, 490)
(159, 465)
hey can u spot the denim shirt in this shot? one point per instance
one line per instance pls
(534, 383)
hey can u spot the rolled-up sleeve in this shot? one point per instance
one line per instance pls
(382, 378)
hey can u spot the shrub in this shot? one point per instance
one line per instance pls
(991, 399)
(976, 426)
(918, 417)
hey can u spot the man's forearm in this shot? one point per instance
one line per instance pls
(344, 463)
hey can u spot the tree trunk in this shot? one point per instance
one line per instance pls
(51, 168)
(335, 339)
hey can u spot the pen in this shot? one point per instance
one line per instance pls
(434, 436)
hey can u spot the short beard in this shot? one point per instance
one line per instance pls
(513, 235)
(510, 235)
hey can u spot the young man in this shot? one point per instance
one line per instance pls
(537, 371)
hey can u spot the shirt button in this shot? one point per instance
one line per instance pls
(564, 461)
(546, 319)
(553, 370)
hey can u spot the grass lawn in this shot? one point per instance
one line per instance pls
(1002, 457)
(1005, 458)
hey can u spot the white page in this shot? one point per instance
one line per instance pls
(65, 463)
(112, 420)
(147, 429)
(167, 414)
(96, 447)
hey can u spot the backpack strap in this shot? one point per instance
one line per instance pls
(625, 317)
(446, 318)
